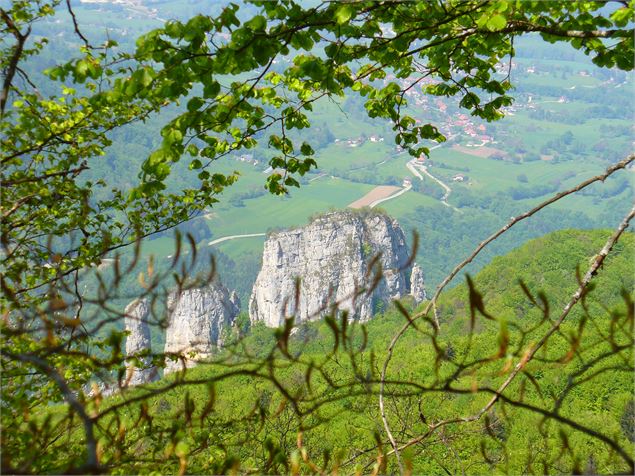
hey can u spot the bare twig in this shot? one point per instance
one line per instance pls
(432, 303)
(74, 172)
(531, 352)
(76, 25)
(92, 461)
(598, 178)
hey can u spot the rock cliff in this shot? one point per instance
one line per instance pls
(138, 341)
(417, 286)
(330, 257)
(197, 320)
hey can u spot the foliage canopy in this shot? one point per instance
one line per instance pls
(54, 225)
(336, 49)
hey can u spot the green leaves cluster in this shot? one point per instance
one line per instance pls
(238, 84)
(451, 49)
(240, 88)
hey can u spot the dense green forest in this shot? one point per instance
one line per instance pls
(235, 419)
(149, 147)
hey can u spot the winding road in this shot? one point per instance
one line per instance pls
(233, 237)
(413, 166)
(394, 195)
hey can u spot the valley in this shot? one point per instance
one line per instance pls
(485, 170)
(339, 237)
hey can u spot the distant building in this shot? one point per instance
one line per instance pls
(458, 178)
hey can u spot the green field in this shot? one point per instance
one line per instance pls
(266, 212)
(582, 136)
(489, 175)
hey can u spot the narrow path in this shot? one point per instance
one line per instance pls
(447, 189)
(233, 237)
(317, 177)
(414, 171)
(412, 166)
(394, 195)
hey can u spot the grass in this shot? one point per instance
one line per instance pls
(262, 213)
(591, 205)
(374, 163)
(494, 175)
(235, 249)
(408, 202)
(546, 79)
(364, 156)
(535, 133)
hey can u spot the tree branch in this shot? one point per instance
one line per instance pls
(92, 461)
(15, 58)
(531, 352)
(432, 303)
(74, 172)
(76, 25)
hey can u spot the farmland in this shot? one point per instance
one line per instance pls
(567, 123)
(351, 167)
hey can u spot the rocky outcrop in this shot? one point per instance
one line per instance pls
(417, 287)
(234, 298)
(198, 319)
(138, 342)
(331, 258)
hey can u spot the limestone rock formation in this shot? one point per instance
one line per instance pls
(138, 341)
(235, 299)
(197, 320)
(330, 256)
(417, 287)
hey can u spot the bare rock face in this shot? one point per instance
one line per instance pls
(235, 299)
(330, 257)
(417, 287)
(197, 320)
(138, 341)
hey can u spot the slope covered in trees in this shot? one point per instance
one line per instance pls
(545, 424)
(226, 83)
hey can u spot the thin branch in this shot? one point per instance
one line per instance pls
(598, 178)
(529, 355)
(92, 461)
(76, 25)
(432, 303)
(74, 172)
(15, 58)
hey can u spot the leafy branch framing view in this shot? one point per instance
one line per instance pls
(265, 402)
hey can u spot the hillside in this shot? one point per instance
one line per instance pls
(239, 419)
(567, 123)
(178, 295)
(548, 265)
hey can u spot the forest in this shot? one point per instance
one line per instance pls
(134, 156)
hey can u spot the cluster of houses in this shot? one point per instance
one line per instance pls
(450, 123)
(359, 140)
(248, 158)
